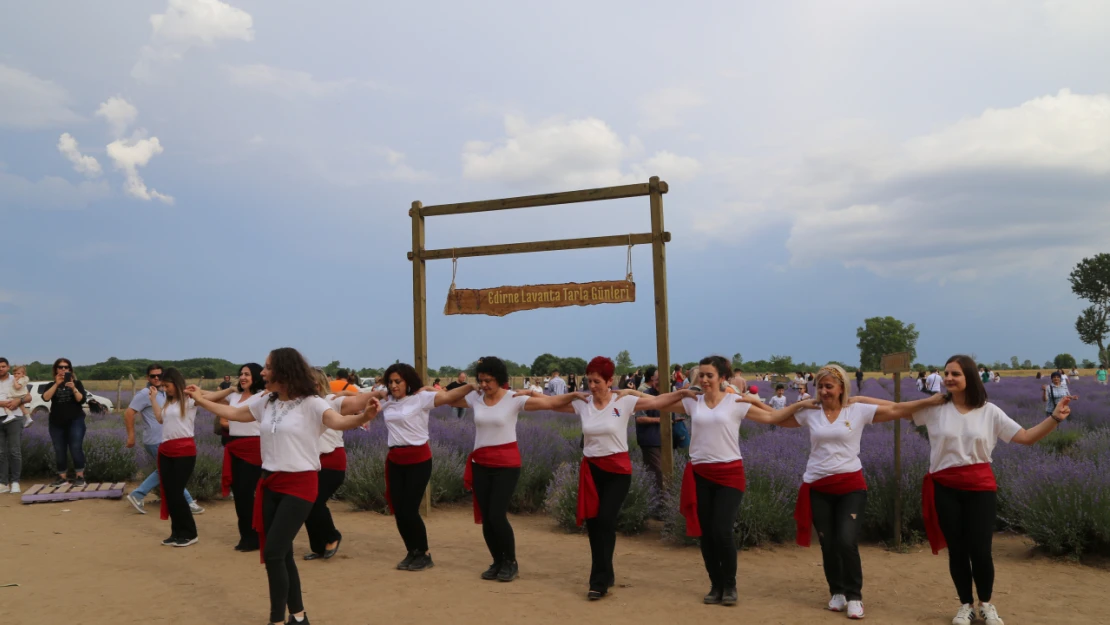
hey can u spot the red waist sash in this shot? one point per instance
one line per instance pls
(336, 460)
(302, 485)
(409, 454)
(728, 474)
(588, 502)
(248, 448)
(976, 477)
(495, 457)
(175, 448)
(839, 484)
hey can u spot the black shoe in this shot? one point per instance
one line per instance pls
(169, 542)
(185, 542)
(421, 562)
(79, 482)
(293, 621)
(312, 556)
(403, 565)
(61, 481)
(594, 595)
(729, 596)
(612, 581)
(508, 572)
(491, 573)
(329, 553)
(714, 596)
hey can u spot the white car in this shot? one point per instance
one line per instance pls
(41, 409)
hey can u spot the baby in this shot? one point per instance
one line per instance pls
(19, 389)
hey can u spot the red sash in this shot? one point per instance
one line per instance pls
(728, 474)
(839, 484)
(409, 454)
(976, 477)
(176, 448)
(588, 501)
(496, 457)
(336, 460)
(302, 485)
(248, 448)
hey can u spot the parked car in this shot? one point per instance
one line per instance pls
(94, 404)
(367, 385)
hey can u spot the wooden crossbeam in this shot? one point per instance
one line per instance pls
(546, 199)
(617, 240)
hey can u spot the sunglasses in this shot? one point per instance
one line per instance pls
(63, 368)
(154, 376)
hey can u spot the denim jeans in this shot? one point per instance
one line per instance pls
(151, 481)
(11, 455)
(69, 438)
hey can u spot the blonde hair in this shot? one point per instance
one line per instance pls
(323, 388)
(841, 376)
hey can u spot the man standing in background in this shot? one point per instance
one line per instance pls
(647, 430)
(859, 379)
(934, 383)
(226, 384)
(556, 385)
(459, 381)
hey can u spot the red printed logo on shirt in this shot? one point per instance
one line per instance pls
(616, 413)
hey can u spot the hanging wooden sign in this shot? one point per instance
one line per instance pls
(502, 300)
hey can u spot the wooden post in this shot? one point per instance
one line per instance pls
(420, 315)
(132, 385)
(897, 466)
(662, 337)
(119, 394)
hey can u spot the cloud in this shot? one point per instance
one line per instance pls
(48, 193)
(28, 102)
(569, 153)
(665, 108)
(289, 83)
(119, 114)
(668, 166)
(83, 164)
(129, 155)
(355, 164)
(187, 24)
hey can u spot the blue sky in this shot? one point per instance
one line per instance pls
(185, 178)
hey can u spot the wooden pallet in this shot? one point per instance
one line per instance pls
(41, 493)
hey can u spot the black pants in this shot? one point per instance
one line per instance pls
(493, 488)
(175, 473)
(244, 482)
(282, 516)
(717, 509)
(612, 488)
(407, 483)
(319, 525)
(967, 521)
(653, 461)
(838, 519)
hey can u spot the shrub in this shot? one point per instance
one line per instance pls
(364, 486)
(562, 499)
(107, 458)
(204, 484)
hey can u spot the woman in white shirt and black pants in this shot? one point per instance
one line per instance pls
(291, 417)
(958, 496)
(177, 456)
(408, 466)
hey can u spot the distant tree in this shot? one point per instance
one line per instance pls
(574, 365)
(544, 364)
(1048, 364)
(331, 368)
(1064, 361)
(209, 372)
(1088, 364)
(1090, 280)
(1014, 364)
(737, 361)
(884, 335)
(624, 362)
(1027, 364)
(782, 364)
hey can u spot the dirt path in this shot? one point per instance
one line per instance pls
(96, 562)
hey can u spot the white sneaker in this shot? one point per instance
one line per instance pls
(15, 488)
(4, 488)
(838, 603)
(135, 502)
(27, 421)
(988, 613)
(195, 509)
(964, 615)
(855, 609)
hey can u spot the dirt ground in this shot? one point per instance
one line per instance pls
(95, 562)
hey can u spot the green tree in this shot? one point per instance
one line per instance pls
(1027, 364)
(884, 335)
(737, 361)
(1064, 361)
(331, 368)
(1014, 364)
(544, 364)
(1088, 364)
(1048, 364)
(574, 365)
(624, 362)
(1090, 280)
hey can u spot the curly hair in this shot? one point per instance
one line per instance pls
(288, 367)
(413, 381)
(494, 367)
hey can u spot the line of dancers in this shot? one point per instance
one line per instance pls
(285, 459)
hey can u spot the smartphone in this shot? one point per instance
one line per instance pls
(68, 378)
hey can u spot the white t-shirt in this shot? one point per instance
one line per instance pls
(496, 424)
(173, 426)
(605, 431)
(776, 402)
(715, 432)
(237, 428)
(289, 431)
(834, 447)
(934, 383)
(407, 419)
(803, 397)
(6, 393)
(331, 439)
(957, 440)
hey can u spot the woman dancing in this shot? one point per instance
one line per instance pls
(177, 456)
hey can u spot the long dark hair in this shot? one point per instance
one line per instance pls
(288, 367)
(174, 376)
(257, 383)
(975, 395)
(68, 362)
(412, 379)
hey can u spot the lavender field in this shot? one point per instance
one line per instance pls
(1057, 493)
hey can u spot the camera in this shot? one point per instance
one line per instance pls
(68, 378)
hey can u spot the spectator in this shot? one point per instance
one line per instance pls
(67, 421)
(677, 379)
(933, 383)
(20, 390)
(859, 380)
(436, 385)
(572, 383)
(753, 393)
(1100, 375)
(152, 436)
(340, 382)
(556, 385)
(1074, 373)
(637, 378)
(738, 383)
(1039, 375)
(226, 384)
(647, 430)
(11, 429)
(778, 400)
(1051, 394)
(460, 381)
(984, 374)
(803, 393)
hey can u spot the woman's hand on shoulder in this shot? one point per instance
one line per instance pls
(581, 395)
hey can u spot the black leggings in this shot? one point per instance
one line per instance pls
(407, 483)
(244, 482)
(319, 525)
(282, 516)
(967, 522)
(612, 488)
(717, 509)
(493, 488)
(838, 519)
(175, 473)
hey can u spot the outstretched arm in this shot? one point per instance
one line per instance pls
(782, 416)
(890, 411)
(455, 396)
(242, 414)
(554, 402)
(1042, 429)
(341, 422)
(668, 401)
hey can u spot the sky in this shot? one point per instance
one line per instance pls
(198, 178)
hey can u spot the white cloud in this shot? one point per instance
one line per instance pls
(575, 153)
(187, 24)
(289, 83)
(129, 155)
(28, 102)
(83, 164)
(119, 114)
(668, 166)
(666, 107)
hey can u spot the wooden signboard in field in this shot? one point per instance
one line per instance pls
(502, 300)
(898, 362)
